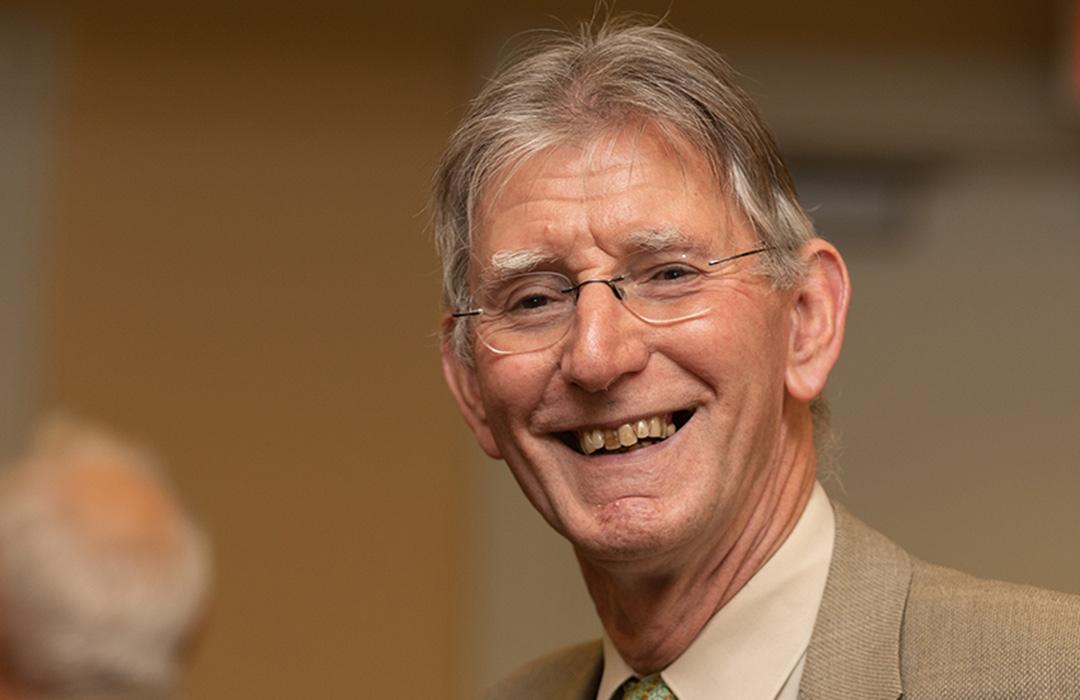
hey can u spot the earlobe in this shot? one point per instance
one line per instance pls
(818, 318)
(463, 385)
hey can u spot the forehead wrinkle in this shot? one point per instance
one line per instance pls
(601, 164)
(639, 136)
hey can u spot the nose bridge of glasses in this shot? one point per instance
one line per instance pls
(609, 282)
(597, 313)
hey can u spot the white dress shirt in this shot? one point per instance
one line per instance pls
(753, 648)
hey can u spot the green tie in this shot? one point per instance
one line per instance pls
(648, 688)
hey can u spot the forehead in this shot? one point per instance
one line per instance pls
(612, 196)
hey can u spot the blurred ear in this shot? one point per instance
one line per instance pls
(818, 318)
(464, 386)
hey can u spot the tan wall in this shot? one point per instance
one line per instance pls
(239, 274)
(27, 76)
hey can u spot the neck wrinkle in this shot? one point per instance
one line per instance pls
(653, 619)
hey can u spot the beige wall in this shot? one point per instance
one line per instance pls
(27, 74)
(237, 272)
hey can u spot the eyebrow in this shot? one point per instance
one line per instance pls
(507, 263)
(659, 240)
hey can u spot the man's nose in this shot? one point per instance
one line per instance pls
(605, 343)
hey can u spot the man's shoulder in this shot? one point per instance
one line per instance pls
(1003, 639)
(891, 624)
(572, 673)
(945, 593)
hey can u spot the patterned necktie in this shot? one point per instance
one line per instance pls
(648, 688)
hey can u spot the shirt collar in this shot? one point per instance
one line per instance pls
(751, 646)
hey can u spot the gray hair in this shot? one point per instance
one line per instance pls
(93, 611)
(567, 87)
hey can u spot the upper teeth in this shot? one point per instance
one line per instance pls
(627, 434)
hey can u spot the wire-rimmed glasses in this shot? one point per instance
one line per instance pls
(534, 310)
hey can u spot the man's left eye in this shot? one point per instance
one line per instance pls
(532, 301)
(672, 273)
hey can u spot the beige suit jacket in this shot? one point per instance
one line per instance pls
(891, 626)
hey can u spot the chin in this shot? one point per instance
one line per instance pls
(630, 533)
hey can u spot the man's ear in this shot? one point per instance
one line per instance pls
(463, 385)
(818, 318)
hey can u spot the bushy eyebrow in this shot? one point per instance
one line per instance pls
(660, 240)
(507, 263)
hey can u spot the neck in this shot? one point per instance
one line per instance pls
(653, 617)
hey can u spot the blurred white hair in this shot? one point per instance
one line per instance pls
(103, 607)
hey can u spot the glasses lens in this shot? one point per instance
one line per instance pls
(526, 312)
(667, 290)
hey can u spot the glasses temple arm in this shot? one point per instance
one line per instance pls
(755, 251)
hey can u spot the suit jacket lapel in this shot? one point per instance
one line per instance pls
(855, 648)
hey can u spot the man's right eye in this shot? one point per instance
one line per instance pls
(531, 301)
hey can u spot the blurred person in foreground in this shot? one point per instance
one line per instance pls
(103, 576)
(641, 321)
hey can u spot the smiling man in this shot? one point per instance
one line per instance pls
(641, 322)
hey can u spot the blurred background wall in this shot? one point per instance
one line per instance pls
(214, 239)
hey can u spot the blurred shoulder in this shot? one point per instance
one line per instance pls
(988, 639)
(571, 673)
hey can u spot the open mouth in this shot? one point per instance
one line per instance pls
(626, 437)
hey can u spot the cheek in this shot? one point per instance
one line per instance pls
(512, 385)
(739, 344)
(714, 345)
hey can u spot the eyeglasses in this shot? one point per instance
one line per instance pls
(534, 310)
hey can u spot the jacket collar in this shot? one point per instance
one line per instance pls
(855, 648)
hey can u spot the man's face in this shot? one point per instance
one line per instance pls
(720, 378)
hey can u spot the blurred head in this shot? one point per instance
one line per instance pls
(102, 574)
